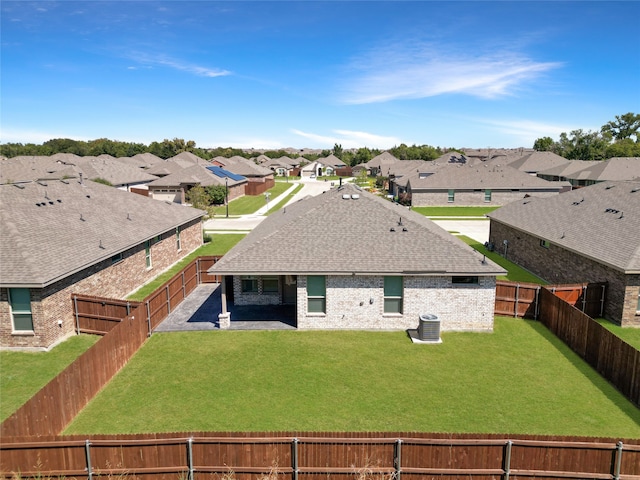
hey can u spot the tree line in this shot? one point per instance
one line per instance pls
(170, 148)
(617, 138)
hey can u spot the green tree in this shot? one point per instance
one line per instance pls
(217, 194)
(198, 198)
(624, 126)
(544, 144)
(337, 150)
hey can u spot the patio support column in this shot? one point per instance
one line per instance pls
(223, 294)
(224, 319)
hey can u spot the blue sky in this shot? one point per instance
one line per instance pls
(311, 74)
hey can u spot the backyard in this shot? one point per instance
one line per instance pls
(519, 379)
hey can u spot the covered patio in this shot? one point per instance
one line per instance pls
(200, 310)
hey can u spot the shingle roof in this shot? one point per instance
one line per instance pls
(385, 159)
(52, 229)
(482, 177)
(331, 161)
(246, 168)
(537, 161)
(329, 234)
(601, 222)
(112, 170)
(196, 174)
(617, 168)
(567, 169)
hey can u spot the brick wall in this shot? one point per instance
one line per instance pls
(349, 305)
(249, 298)
(53, 303)
(558, 265)
(473, 197)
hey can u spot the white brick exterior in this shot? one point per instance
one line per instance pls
(357, 302)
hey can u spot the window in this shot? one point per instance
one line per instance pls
(465, 280)
(316, 293)
(392, 294)
(487, 195)
(116, 258)
(178, 243)
(249, 284)
(452, 196)
(147, 254)
(269, 284)
(544, 243)
(20, 303)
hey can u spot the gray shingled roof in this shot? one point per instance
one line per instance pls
(537, 162)
(482, 177)
(51, 230)
(331, 161)
(617, 168)
(196, 174)
(114, 171)
(385, 159)
(601, 222)
(246, 167)
(567, 169)
(329, 234)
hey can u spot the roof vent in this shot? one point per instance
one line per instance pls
(355, 196)
(346, 196)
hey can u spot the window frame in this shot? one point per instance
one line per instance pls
(314, 298)
(18, 312)
(390, 296)
(267, 280)
(147, 255)
(248, 280)
(487, 195)
(544, 243)
(451, 195)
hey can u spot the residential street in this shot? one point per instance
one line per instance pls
(476, 229)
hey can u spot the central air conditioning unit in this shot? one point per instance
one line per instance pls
(429, 328)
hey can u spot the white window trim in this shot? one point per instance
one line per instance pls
(20, 312)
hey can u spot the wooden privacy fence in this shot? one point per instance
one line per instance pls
(612, 357)
(97, 315)
(364, 455)
(51, 409)
(523, 299)
(257, 188)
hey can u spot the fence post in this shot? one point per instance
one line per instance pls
(536, 310)
(507, 459)
(584, 296)
(602, 300)
(397, 461)
(515, 307)
(190, 457)
(128, 309)
(294, 458)
(616, 473)
(75, 308)
(199, 280)
(87, 455)
(168, 299)
(148, 318)
(184, 287)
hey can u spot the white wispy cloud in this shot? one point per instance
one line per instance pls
(165, 61)
(526, 131)
(400, 72)
(349, 139)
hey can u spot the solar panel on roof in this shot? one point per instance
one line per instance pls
(222, 173)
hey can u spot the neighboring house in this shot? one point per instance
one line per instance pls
(614, 169)
(533, 163)
(380, 164)
(31, 168)
(401, 172)
(310, 170)
(282, 167)
(499, 155)
(328, 165)
(114, 171)
(175, 186)
(356, 261)
(64, 237)
(566, 172)
(459, 184)
(587, 235)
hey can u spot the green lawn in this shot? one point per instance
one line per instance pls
(454, 211)
(219, 245)
(520, 379)
(283, 202)
(22, 374)
(631, 335)
(515, 272)
(248, 204)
